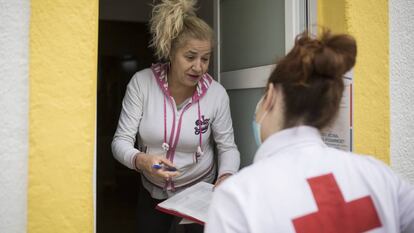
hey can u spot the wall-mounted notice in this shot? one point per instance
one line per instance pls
(340, 134)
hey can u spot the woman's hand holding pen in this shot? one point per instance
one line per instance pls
(156, 166)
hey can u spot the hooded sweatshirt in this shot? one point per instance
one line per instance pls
(188, 131)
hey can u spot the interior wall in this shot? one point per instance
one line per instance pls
(125, 10)
(140, 10)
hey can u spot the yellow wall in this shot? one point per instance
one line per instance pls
(63, 61)
(367, 21)
(331, 14)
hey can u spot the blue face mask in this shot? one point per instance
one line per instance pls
(257, 125)
(256, 132)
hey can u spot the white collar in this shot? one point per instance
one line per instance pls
(287, 138)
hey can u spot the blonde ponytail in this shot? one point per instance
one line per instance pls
(171, 19)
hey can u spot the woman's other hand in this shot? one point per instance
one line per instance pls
(145, 163)
(221, 179)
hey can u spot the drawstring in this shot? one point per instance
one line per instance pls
(165, 145)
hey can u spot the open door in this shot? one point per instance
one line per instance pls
(251, 36)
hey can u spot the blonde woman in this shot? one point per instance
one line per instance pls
(175, 109)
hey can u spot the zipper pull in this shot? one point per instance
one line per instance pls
(165, 146)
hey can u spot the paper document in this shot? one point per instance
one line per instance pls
(191, 203)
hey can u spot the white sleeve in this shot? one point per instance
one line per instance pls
(406, 206)
(128, 124)
(225, 214)
(404, 196)
(222, 127)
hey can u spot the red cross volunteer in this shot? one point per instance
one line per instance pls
(297, 183)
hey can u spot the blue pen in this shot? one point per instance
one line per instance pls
(159, 166)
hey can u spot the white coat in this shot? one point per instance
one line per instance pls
(298, 184)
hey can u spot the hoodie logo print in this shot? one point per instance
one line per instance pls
(203, 122)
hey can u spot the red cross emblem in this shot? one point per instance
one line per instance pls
(334, 215)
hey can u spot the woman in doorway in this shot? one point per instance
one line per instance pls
(297, 183)
(176, 110)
